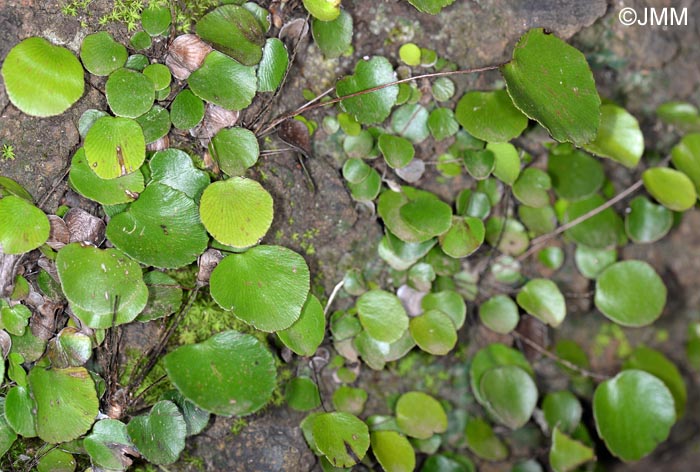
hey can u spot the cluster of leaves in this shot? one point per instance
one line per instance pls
(164, 212)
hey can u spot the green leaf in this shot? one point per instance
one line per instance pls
(393, 451)
(164, 296)
(680, 114)
(442, 123)
(630, 293)
(228, 374)
(542, 299)
(161, 228)
(686, 158)
(575, 175)
(159, 435)
(70, 348)
(66, 402)
(673, 189)
(155, 19)
(94, 280)
(186, 110)
(140, 41)
(302, 394)
(551, 82)
(159, 75)
(349, 399)
(107, 192)
(443, 89)
(465, 236)
(24, 226)
(419, 415)
(355, 170)
(428, 215)
(108, 444)
(658, 365)
(129, 93)
(490, 116)
(562, 410)
(56, 460)
(174, 168)
(567, 454)
(510, 394)
(633, 413)
(646, 222)
(196, 419)
(368, 189)
(599, 231)
(235, 150)
(234, 31)
(224, 82)
(307, 333)
(42, 79)
(11, 187)
(430, 6)
(7, 434)
(551, 257)
(338, 434)
(411, 122)
(333, 37)
(15, 318)
(20, 411)
(449, 302)
(397, 151)
(372, 107)
(591, 262)
(324, 10)
(499, 314)
(532, 188)
(101, 54)
(619, 137)
(447, 462)
(382, 315)
(480, 164)
(155, 123)
(273, 65)
(237, 212)
(359, 145)
(433, 332)
(507, 167)
(493, 356)
(482, 441)
(115, 147)
(265, 286)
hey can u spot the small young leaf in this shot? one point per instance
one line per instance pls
(542, 299)
(567, 454)
(382, 315)
(129, 93)
(673, 189)
(419, 415)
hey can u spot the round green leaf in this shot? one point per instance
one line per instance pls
(567, 454)
(137, 62)
(442, 123)
(551, 82)
(434, 332)
(686, 157)
(393, 451)
(164, 296)
(155, 19)
(265, 286)
(599, 231)
(224, 82)
(443, 89)
(237, 211)
(235, 149)
(66, 402)
(575, 175)
(108, 444)
(510, 394)
(630, 293)
(397, 151)
(532, 188)
(507, 167)
(24, 226)
(551, 257)
(56, 460)
(20, 411)
(187, 110)
(349, 399)
(680, 114)
(447, 462)
(509, 235)
(324, 10)
(591, 262)
(70, 348)
(174, 168)
(427, 215)
(306, 334)
(562, 410)
(115, 147)
(411, 122)
(492, 356)
(359, 145)
(229, 374)
(42, 79)
(482, 441)
(480, 164)
(490, 116)
(7, 434)
(673, 189)
(368, 189)
(355, 170)
(95, 280)
(371, 107)
(196, 419)
(449, 302)
(333, 37)
(646, 222)
(161, 228)
(499, 314)
(633, 413)
(159, 75)
(140, 40)
(302, 394)
(464, 237)
(107, 192)
(234, 31)
(101, 54)
(619, 137)
(382, 315)
(273, 65)
(419, 415)
(129, 93)
(542, 299)
(159, 435)
(658, 365)
(538, 221)
(341, 437)
(155, 123)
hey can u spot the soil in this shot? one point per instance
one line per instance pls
(639, 67)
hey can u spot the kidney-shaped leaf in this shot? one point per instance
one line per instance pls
(115, 147)
(66, 402)
(510, 394)
(95, 280)
(382, 315)
(129, 93)
(372, 107)
(551, 82)
(419, 415)
(542, 299)
(229, 374)
(633, 413)
(265, 286)
(24, 226)
(235, 31)
(492, 356)
(341, 437)
(235, 149)
(159, 435)
(434, 332)
(224, 81)
(490, 116)
(630, 293)
(42, 79)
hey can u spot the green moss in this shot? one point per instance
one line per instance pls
(239, 424)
